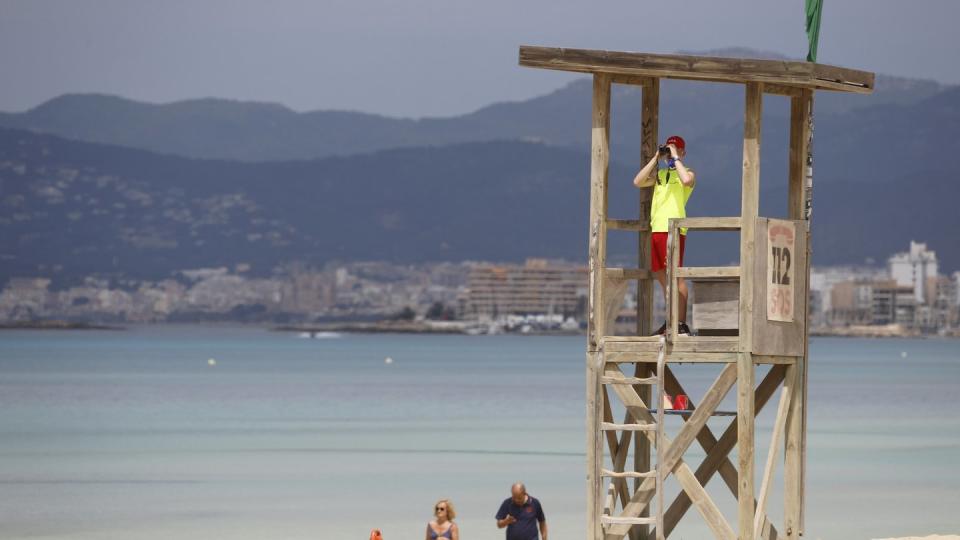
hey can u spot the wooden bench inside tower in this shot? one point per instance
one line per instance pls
(715, 305)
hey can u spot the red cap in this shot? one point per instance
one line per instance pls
(677, 141)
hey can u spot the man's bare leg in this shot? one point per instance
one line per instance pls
(682, 300)
(661, 277)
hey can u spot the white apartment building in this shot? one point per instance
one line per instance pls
(915, 269)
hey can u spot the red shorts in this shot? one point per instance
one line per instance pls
(658, 250)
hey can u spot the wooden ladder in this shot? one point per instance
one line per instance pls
(657, 472)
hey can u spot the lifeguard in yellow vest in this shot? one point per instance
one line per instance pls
(672, 188)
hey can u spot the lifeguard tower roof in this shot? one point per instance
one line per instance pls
(625, 65)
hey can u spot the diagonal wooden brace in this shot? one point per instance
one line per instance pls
(706, 438)
(673, 454)
(717, 450)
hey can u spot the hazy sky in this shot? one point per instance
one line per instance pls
(420, 57)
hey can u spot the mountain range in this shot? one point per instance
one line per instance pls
(251, 131)
(103, 185)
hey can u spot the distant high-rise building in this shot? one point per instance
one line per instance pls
(914, 269)
(892, 303)
(538, 287)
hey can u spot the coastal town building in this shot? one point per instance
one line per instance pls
(866, 302)
(893, 303)
(307, 290)
(914, 268)
(372, 290)
(955, 284)
(823, 280)
(908, 293)
(952, 292)
(943, 304)
(851, 302)
(537, 287)
(364, 290)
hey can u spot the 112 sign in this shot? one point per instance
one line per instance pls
(781, 265)
(782, 240)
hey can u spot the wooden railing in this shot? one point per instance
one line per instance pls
(675, 272)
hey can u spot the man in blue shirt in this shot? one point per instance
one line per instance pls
(521, 514)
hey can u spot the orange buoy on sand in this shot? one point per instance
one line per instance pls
(375, 535)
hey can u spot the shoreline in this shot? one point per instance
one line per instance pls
(467, 328)
(870, 331)
(442, 328)
(56, 324)
(381, 327)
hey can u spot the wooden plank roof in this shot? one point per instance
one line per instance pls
(700, 68)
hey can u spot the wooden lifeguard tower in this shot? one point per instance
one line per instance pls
(749, 315)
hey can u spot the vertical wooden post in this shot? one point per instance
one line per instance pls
(799, 136)
(673, 283)
(595, 405)
(650, 122)
(599, 167)
(801, 207)
(793, 452)
(650, 119)
(745, 447)
(749, 211)
(796, 205)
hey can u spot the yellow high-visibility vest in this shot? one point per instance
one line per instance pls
(669, 200)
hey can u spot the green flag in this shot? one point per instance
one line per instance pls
(814, 8)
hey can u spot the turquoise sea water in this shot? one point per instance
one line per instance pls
(133, 434)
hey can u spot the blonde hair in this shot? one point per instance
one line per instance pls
(451, 511)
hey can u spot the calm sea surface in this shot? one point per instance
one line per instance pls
(135, 435)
